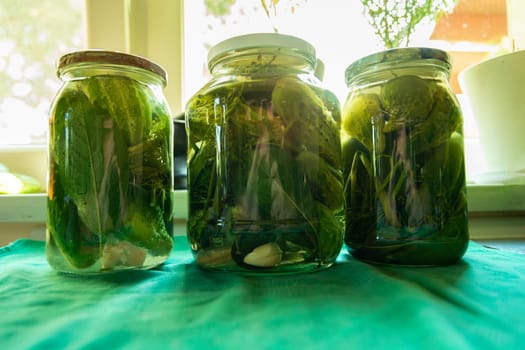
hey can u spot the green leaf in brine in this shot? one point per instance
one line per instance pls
(79, 247)
(125, 100)
(87, 155)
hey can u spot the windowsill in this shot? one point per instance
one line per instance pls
(31, 208)
(26, 159)
(496, 212)
(496, 198)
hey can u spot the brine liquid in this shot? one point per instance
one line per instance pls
(405, 188)
(259, 178)
(110, 177)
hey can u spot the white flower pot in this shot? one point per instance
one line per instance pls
(495, 91)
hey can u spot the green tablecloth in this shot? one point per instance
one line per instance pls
(476, 304)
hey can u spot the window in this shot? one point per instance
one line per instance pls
(177, 34)
(33, 35)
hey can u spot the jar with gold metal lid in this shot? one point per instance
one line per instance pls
(110, 180)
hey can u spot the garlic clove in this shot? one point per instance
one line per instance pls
(266, 255)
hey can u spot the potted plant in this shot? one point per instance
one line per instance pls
(394, 21)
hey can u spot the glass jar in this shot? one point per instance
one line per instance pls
(403, 160)
(264, 160)
(110, 180)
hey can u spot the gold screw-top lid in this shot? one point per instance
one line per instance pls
(110, 58)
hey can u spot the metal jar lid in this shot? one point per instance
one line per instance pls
(261, 41)
(399, 56)
(109, 58)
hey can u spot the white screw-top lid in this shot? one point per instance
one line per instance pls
(262, 40)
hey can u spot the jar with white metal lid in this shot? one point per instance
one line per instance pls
(264, 160)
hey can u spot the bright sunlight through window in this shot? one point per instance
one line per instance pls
(32, 37)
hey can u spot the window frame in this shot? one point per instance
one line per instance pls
(152, 29)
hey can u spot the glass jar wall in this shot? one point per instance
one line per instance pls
(264, 160)
(404, 165)
(110, 165)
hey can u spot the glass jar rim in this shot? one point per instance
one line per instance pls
(394, 56)
(110, 58)
(262, 41)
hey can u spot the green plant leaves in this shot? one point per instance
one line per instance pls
(83, 167)
(394, 21)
